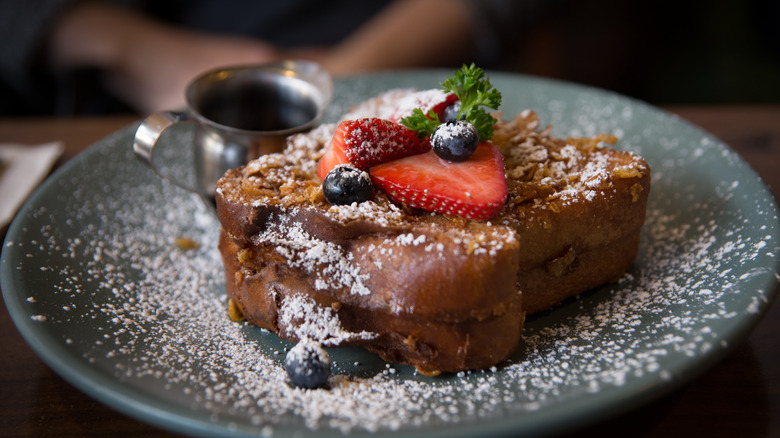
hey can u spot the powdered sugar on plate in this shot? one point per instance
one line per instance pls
(95, 271)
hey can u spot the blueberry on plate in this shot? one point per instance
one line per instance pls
(346, 184)
(455, 140)
(308, 365)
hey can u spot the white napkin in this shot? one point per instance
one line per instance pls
(22, 168)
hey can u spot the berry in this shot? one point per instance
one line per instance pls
(308, 364)
(450, 113)
(435, 100)
(473, 189)
(367, 142)
(455, 141)
(345, 184)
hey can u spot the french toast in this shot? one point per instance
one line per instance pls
(440, 292)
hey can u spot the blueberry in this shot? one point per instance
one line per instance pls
(308, 364)
(455, 141)
(450, 113)
(345, 184)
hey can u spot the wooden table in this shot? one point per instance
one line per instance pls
(738, 397)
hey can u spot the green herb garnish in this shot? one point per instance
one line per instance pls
(474, 91)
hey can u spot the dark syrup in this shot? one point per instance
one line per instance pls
(258, 107)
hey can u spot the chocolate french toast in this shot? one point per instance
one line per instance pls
(422, 241)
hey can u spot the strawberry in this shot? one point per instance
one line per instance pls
(367, 142)
(473, 189)
(335, 152)
(434, 100)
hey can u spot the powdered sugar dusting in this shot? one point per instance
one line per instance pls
(106, 282)
(397, 103)
(331, 263)
(300, 315)
(384, 106)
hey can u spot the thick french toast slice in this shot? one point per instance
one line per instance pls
(437, 292)
(425, 290)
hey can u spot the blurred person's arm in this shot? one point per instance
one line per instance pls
(148, 63)
(410, 33)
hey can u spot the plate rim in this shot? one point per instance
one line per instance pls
(151, 413)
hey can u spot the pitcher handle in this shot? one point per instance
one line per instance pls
(149, 132)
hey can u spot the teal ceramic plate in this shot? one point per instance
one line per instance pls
(96, 278)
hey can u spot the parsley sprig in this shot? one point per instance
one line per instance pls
(474, 91)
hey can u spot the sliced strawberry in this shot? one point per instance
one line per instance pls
(335, 153)
(367, 142)
(434, 99)
(473, 189)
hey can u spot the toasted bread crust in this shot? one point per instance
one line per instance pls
(437, 292)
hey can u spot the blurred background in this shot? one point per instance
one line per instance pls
(664, 52)
(60, 57)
